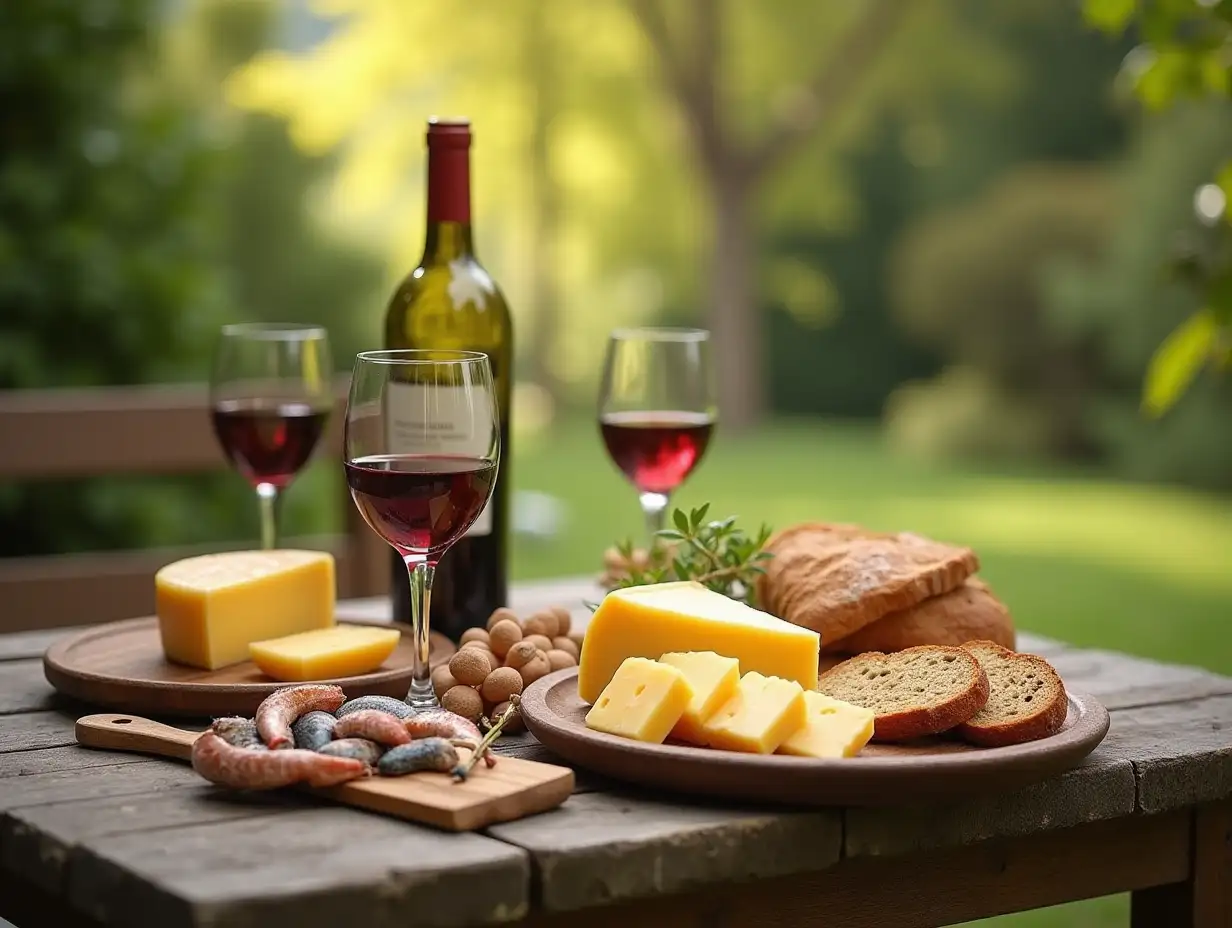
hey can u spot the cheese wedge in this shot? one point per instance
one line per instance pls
(834, 729)
(764, 712)
(713, 679)
(643, 700)
(325, 653)
(210, 608)
(648, 621)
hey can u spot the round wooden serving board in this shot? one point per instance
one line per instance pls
(882, 774)
(121, 666)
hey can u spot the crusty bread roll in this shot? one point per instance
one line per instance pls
(837, 579)
(970, 613)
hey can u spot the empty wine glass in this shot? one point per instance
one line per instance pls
(657, 410)
(422, 444)
(270, 397)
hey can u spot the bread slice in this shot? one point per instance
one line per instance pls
(1026, 698)
(917, 692)
(970, 612)
(836, 579)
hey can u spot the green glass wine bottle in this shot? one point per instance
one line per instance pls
(449, 302)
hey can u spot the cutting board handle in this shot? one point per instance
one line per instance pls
(115, 732)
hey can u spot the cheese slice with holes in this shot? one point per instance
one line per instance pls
(834, 729)
(763, 713)
(713, 679)
(210, 608)
(643, 700)
(649, 621)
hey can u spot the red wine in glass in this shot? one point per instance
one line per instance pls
(420, 503)
(656, 450)
(268, 441)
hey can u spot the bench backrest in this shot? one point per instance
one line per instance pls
(157, 430)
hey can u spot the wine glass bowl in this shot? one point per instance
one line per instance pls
(422, 444)
(270, 398)
(657, 409)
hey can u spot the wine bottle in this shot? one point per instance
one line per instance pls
(449, 302)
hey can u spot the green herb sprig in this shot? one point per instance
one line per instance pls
(717, 554)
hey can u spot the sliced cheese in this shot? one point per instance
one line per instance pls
(713, 679)
(834, 729)
(325, 653)
(210, 608)
(763, 713)
(643, 700)
(647, 621)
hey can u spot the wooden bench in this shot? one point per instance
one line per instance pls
(135, 431)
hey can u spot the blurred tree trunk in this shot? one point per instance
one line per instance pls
(545, 203)
(688, 48)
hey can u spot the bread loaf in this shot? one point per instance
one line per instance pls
(837, 579)
(969, 613)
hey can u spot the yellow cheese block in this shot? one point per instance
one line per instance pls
(324, 653)
(210, 608)
(713, 679)
(647, 621)
(643, 701)
(764, 712)
(834, 729)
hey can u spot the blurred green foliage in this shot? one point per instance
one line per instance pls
(1048, 295)
(138, 212)
(1185, 55)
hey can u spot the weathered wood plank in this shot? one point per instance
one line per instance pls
(527, 747)
(1103, 787)
(73, 784)
(313, 868)
(928, 889)
(23, 688)
(600, 848)
(17, 646)
(35, 842)
(53, 760)
(30, 730)
(1038, 644)
(1120, 681)
(1181, 752)
(31, 907)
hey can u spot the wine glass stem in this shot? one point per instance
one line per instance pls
(269, 497)
(654, 507)
(421, 695)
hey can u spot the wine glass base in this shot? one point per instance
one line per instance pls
(422, 698)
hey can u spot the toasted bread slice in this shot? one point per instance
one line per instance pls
(1026, 698)
(917, 692)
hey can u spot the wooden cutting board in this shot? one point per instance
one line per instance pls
(512, 789)
(120, 666)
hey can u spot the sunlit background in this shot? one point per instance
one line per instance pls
(938, 242)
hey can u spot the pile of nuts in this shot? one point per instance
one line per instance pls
(498, 662)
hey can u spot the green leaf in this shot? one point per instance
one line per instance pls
(1176, 362)
(681, 521)
(1224, 180)
(700, 513)
(670, 533)
(1108, 15)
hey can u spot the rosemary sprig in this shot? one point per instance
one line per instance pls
(716, 554)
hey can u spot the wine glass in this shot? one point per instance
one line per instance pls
(270, 396)
(422, 444)
(657, 410)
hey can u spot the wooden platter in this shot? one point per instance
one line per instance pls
(882, 774)
(511, 789)
(121, 666)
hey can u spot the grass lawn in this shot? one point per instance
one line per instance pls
(1142, 569)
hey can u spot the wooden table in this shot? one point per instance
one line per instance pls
(90, 838)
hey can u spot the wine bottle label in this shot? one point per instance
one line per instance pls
(440, 420)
